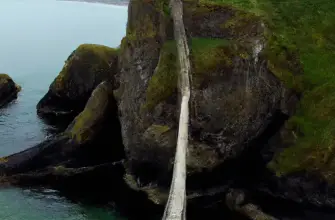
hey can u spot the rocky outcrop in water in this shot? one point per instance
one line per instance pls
(85, 68)
(85, 142)
(8, 89)
(239, 106)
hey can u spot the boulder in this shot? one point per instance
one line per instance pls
(84, 69)
(8, 89)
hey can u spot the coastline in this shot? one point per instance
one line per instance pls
(106, 2)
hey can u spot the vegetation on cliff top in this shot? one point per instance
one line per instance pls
(306, 28)
(90, 58)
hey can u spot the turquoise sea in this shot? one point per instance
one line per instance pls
(36, 37)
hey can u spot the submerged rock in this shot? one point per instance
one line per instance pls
(85, 68)
(8, 89)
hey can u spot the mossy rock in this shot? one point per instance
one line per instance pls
(89, 122)
(208, 56)
(8, 89)
(209, 19)
(164, 81)
(300, 52)
(84, 69)
(87, 59)
(144, 20)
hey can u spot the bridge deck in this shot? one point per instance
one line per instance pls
(176, 206)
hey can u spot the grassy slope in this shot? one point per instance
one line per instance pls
(307, 27)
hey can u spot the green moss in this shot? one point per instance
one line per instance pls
(238, 3)
(87, 57)
(306, 28)
(4, 78)
(161, 128)
(3, 159)
(284, 62)
(163, 7)
(60, 169)
(242, 26)
(164, 81)
(207, 56)
(314, 129)
(80, 130)
(156, 131)
(145, 30)
(102, 51)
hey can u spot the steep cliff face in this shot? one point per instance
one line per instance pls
(234, 94)
(300, 40)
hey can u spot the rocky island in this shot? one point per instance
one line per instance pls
(8, 89)
(261, 114)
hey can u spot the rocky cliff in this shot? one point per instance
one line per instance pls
(234, 93)
(261, 118)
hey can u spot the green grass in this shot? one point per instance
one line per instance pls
(305, 27)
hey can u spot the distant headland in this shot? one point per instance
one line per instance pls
(110, 2)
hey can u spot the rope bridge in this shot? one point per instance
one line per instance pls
(176, 206)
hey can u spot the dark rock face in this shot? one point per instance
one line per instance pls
(8, 89)
(304, 188)
(85, 68)
(140, 55)
(233, 98)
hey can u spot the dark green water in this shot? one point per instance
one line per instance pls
(36, 37)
